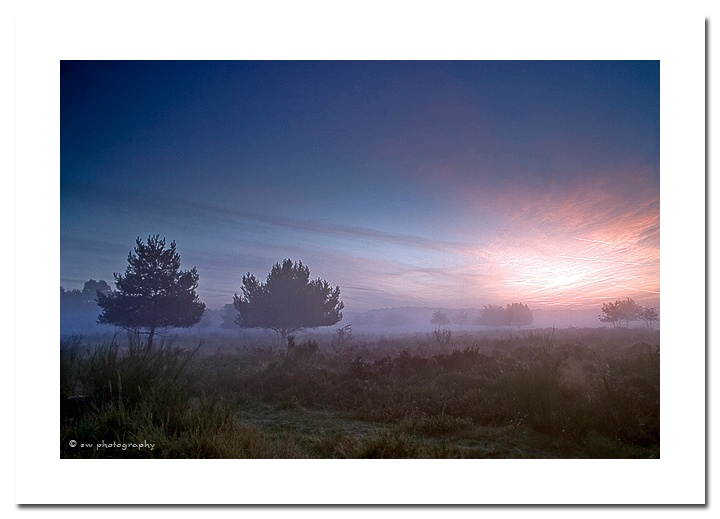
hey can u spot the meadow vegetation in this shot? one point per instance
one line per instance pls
(591, 393)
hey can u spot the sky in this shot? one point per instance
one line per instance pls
(446, 184)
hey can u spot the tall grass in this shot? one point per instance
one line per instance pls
(113, 393)
(546, 393)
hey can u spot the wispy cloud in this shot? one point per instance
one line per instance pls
(570, 247)
(575, 248)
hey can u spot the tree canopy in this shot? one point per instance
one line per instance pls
(440, 318)
(153, 293)
(493, 316)
(518, 314)
(650, 315)
(515, 314)
(461, 318)
(287, 302)
(626, 311)
(620, 311)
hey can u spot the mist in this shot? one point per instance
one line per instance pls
(82, 318)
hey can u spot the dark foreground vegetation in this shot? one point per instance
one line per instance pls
(590, 393)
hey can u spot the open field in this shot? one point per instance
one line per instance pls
(572, 393)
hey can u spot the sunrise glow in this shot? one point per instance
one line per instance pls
(421, 184)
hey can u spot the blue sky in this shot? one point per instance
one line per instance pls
(457, 184)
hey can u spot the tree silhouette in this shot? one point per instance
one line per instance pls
(440, 318)
(649, 315)
(461, 318)
(493, 316)
(153, 293)
(518, 314)
(610, 314)
(228, 315)
(515, 314)
(629, 311)
(288, 302)
(621, 311)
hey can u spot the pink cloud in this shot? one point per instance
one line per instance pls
(575, 248)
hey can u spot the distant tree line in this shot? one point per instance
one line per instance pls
(81, 300)
(79, 309)
(626, 311)
(512, 315)
(515, 314)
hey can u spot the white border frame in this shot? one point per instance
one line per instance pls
(48, 32)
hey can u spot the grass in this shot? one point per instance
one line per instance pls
(569, 394)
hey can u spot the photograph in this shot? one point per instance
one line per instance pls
(360, 259)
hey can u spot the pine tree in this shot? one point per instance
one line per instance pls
(154, 293)
(288, 302)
